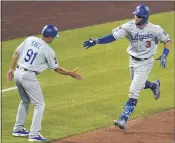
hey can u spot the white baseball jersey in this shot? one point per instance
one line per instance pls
(143, 42)
(36, 55)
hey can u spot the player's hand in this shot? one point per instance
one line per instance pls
(162, 59)
(91, 42)
(75, 75)
(10, 75)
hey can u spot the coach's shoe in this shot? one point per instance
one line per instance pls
(21, 133)
(120, 123)
(39, 138)
(156, 90)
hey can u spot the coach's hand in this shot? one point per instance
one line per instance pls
(91, 42)
(75, 75)
(162, 59)
(10, 74)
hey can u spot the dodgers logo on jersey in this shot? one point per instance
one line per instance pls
(141, 36)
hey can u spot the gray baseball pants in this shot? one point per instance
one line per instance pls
(29, 90)
(139, 72)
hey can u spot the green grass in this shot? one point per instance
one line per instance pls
(74, 106)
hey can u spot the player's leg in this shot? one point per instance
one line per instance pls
(129, 106)
(141, 74)
(18, 129)
(35, 93)
(154, 86)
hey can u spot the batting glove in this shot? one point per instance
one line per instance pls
(162, 59)
(91, 42)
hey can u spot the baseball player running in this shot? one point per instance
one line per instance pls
(32, 57)
(144, 37)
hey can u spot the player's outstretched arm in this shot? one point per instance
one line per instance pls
(72, 73)
(104, 40)
(164, 55)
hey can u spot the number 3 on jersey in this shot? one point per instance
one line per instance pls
(148, 44)
(30, 56)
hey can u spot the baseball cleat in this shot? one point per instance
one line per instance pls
(120, 123)
(39, 138)
(156, 91)
(22, 133)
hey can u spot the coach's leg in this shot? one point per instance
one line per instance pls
(35, 93)
(22, 109)
(37, 99)
(18, 129)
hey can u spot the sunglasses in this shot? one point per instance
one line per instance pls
(139, 16)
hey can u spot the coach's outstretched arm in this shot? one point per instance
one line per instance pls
(72, 73)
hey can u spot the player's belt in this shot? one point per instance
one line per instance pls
(139, 59)
(19, 67)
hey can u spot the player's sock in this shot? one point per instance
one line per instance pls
(148, 84)
(153, 86)
(128, 109)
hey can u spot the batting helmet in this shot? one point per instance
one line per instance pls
(50, 31)
(142, 11)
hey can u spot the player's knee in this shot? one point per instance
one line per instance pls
(133, 95)
(135, 91)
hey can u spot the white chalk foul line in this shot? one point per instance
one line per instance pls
(8, 89)
(11, 88)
